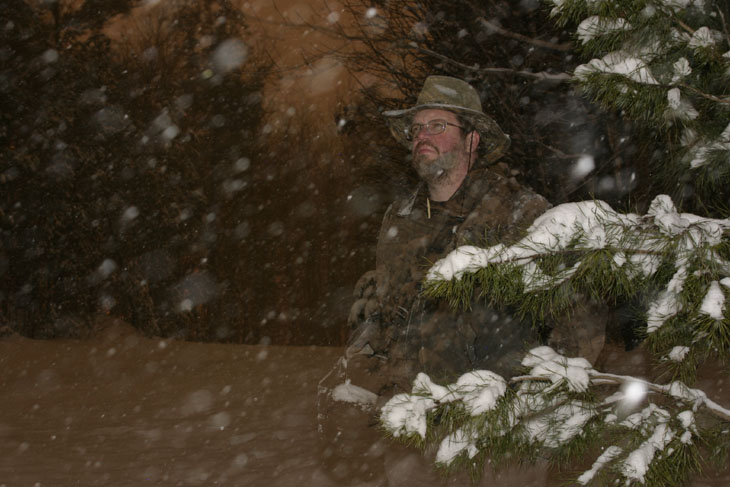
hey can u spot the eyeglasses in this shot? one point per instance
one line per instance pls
(433, 127)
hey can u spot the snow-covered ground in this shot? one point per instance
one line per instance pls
(125, 410)
(121, 409)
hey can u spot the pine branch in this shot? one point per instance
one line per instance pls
(556, 410)
(664, 67)
(676, 390)
(588, 248)
(725, 100)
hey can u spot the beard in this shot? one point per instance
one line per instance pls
(435, 170)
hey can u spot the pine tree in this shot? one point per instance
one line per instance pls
(664, 65)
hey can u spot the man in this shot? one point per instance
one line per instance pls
(464, 198)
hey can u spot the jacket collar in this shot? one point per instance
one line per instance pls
(460, 203)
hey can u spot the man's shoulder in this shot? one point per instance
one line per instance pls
(499, 181)
(499, 205)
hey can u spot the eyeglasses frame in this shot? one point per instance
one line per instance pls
(410, 136)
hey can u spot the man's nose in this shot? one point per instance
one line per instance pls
(422, 134)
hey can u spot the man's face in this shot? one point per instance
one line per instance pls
(437, 157)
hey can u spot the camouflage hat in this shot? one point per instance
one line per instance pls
(454, 95)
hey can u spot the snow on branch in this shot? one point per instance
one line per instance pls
(633, 247)
(556, 406)
(678, 262)
(621, 63)
(592, 225)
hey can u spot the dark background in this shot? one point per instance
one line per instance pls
(147, 171)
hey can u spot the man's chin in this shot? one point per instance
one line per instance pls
(429, 173)
(434, 169)
(425, 161)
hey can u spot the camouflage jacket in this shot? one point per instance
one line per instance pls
(410, 333)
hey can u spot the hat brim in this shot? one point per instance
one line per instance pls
(495, 141)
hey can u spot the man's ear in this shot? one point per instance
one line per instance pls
(473, 139)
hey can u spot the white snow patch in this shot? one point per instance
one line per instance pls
(666, 217)
(679, 108)
(595, 26)
(553, 230)
(639, 460)
(687, 418)
(704, 37)
(713, 304)
(678, 353)
(634, 421)
(351, 393)
(619, 259)
(547, 363)
(682, 4)
(621, 63)
(405, 414)
(668, 303)
(480, 390)
(559, 425)
(423, 385)
(682, 69)
(608, 455)
(454, 444)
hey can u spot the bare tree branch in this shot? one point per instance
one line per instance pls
(565, 47)
(541, 76)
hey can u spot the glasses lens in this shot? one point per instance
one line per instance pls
(435, 127)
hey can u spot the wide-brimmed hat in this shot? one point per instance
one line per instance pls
(454, 95)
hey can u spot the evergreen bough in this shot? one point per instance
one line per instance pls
(560, 409)
(664, 64)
